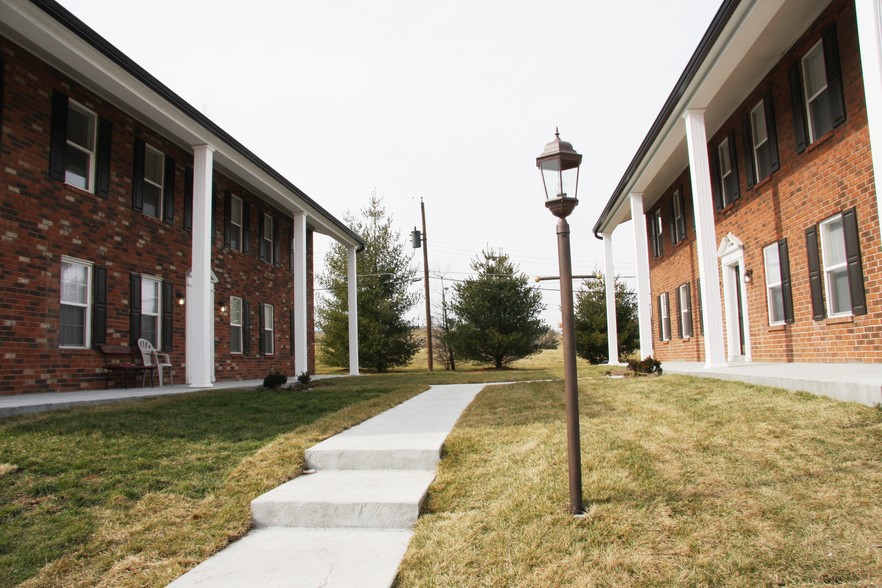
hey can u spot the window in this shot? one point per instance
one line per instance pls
(776, 261)
(760, 140)
(835, 266)
(655, 233)
(150, 310)
(837, 274)
(664, 317)
(154, 163)
(678, 220)
(267, 238)
(266, 329)
(236, 223)
(728, 177)
(816, 91)
(76, 284)
(684, 304)
(79, 155)
(235, 324)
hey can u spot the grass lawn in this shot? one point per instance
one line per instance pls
(689, 482)
(134, 494)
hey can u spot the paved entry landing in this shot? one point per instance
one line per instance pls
(348, 524)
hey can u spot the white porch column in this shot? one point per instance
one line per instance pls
(301, 357)
(644, 290)
(352, 284)
(869, 24)
(706, 238)
(612, 333)
(200, 307)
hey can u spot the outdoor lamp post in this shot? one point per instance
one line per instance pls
(559, 164)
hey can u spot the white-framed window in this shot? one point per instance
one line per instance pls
(235, 324)
(266, 239)
(76, 303)
(774, 288)
(655, 233)
(154, 180)
(664, 317)
(679, 223)
(761, 149)
(684, 297)
(835, 263)
(728, 177)
(266, 335)
(151, 310)
(817, 96)
(236, 223)
(79, 155)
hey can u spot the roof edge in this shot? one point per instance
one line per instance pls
(102, 45)
(719, 22)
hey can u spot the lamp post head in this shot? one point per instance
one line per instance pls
(559, 164)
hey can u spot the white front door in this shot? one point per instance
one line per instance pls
(731, 254)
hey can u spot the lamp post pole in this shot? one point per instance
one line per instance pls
(426, 278)
(557, 158)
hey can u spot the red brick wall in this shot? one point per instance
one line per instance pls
(42, 219)
(834, 174)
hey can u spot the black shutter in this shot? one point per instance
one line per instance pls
(228, 216)
(135, 310)
(772, 132)
(261, 347)
(138, 177)
(246, 227)
(102, 160)
(786, 283)
(797, 107)
(733, 158)
(168, 191)
(834, 76)
(215, 207)
(653, 235)
(716, 181)
(749, 164)
(815, 281)
(277, 256)
(58, 136)
(261, 249)
(680, 330)
(99, 307)
(291, 252)
(188, 199)
(168, 316)
(853, 258)
(687, 324)
(246, 327)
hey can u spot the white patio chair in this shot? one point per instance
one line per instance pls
(151, 357)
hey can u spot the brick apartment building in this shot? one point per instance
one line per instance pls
(753, 197)
(126, 213)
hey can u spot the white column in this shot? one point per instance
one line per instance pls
(706, 238)
(200, 309)
(644, 290)
(612, 332)
(352, 282)
(869, 24)
(301, 357)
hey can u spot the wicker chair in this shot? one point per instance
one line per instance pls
(151, 357)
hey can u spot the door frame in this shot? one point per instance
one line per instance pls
(731, 255)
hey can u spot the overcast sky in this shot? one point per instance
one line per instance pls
(450, 101)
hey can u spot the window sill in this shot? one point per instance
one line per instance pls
(76, 350)
(839, 320)
(762, 183)
(77, 190)
(776, 328)
(820, 141)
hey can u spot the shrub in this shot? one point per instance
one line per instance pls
(646, 366)
(275, 380)
(304, 378)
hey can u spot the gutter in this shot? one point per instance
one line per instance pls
(87, 34)
(719, 22)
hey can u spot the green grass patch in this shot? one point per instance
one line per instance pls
(689, 482)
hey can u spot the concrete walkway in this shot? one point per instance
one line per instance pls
(850, 382)
(348, 524)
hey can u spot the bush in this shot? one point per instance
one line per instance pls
(304, 378)
(275, 380)
(646, 366)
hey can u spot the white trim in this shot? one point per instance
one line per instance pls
(240, 324)
(200, 295)
(644, 291)
(771, 283)
(91, 151)
(87, 327)
(158, 315)
(731, 254)
(664, 316)
(301, 357)
(269, 326)
(828, 268)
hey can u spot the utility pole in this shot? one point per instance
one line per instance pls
(419, 240)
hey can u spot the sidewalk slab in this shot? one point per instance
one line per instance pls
(282, 558)
(374, 499)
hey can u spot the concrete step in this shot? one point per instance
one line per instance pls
(277, 558)
(375, 499)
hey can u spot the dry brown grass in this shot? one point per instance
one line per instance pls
(690, 482)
